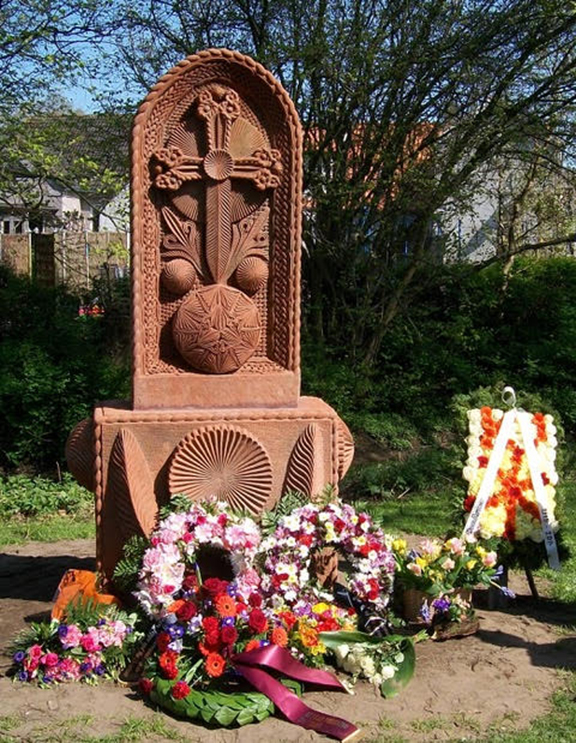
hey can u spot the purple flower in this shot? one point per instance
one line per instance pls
(47, 679)
(19, 656)
(499, 571)
(62, 631)
(228, 621)
(441, 604)
(176, 631)
(85, 667)
(100, 670)
(23, 676)
(508, 592)
(425, 613)
(100, 622)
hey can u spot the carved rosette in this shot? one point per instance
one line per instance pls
(79, 452)
(217, 329)
(224, 462)
(130, 486)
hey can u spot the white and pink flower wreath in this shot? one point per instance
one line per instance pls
(176, 543)
(289, 551)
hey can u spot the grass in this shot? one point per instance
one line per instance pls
(51, 528)
(74, 730)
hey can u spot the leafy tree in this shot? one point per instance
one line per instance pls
(404, 106)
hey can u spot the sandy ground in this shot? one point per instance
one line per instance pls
(499, 679)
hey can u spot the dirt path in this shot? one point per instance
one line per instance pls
(499, 679)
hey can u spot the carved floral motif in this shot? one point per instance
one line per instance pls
(305, 472)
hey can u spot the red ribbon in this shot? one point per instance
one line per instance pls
(277, 658)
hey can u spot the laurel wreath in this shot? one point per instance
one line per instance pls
(217, 708)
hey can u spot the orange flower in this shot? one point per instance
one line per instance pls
(279, 637)
(175, 605)
(252, 645)
(215, 665)
(225, 605)
(309, 637)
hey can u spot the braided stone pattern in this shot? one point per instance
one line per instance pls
(167, 101)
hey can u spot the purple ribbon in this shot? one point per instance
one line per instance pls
(277, 658)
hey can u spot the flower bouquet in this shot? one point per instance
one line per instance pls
(90, 643)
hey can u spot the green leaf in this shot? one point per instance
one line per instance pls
(403, 675)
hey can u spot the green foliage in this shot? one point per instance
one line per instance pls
(53, 368)
(217, 708)
(21, 495)
(127, 569)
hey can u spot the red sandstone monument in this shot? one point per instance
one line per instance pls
(216, 223)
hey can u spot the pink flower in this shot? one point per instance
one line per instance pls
(49, 660)
(415, 568)
(68, 668)
(35, 652)
(456, 546)
(490, 559)
(72, 638)
(89, 642)
(448, 564)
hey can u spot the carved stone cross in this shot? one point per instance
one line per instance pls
(219, 107)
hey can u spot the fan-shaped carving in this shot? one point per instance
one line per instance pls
(224, 462)
(345, 448)
(130, 486)
(305, 471)
(79, 453)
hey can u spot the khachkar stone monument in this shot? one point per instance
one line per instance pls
(216, 220)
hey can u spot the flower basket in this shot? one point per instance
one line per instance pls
(413, 600)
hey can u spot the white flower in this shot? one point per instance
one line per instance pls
(387, 672)
(469, 473)
(474, 416)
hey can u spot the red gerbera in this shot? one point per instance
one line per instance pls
(162, 641)
(145, 686)
(251, 645)
(215, 664)
(225, 605)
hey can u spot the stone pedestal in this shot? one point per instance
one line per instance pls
(215, 266)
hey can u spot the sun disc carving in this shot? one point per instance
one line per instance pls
(225, 462)
(217, 329)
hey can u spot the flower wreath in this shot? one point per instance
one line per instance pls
(176, 544)
(289, 551)
(512, 510)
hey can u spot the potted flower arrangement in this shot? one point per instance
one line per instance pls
(442, 571)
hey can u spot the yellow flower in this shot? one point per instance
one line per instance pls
(320, 608)
(471, 564)
(318, 649)
(399, 545)
(480, 551)
(421, 562)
